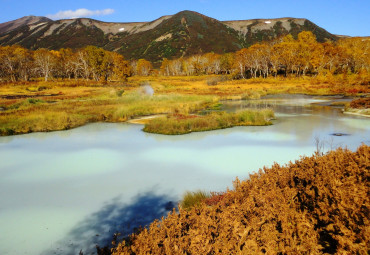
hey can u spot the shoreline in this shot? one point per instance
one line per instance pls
(356, 114)
(144, 119)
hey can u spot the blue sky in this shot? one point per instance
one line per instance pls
(344, 17)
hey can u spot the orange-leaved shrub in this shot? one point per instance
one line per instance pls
(319, 204)
(361, 103)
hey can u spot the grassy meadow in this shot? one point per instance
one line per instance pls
(228, 88)
(65, 107)
(63, 104)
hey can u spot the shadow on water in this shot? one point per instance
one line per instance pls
(100, 228)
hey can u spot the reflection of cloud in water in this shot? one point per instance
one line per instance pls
(357, 123)
(76, 140)
(230, 160)
(21, 227)
(88, 129)
(281, 115)
(69, 165)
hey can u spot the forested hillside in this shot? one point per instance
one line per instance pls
(284, 56)
(180, 35)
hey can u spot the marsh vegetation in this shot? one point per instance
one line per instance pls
(178, 124)
(59, 105)
(73, 107)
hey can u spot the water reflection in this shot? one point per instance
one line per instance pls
(54, 187)
(114, 217)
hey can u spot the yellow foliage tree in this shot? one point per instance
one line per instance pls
(143, 67)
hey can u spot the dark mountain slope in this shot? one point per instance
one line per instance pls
(183, 34)
(27, 20)
(75, 33)
(258, 30)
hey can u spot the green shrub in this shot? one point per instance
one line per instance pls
(120, 92)
(6, 131)
(34, 101)
(192, 199)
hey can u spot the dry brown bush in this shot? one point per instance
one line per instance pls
(317, 205)
(361, 103)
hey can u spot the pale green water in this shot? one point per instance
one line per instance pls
(59, 190)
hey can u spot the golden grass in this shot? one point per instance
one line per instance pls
(77, 106)
(193, 198)
(70, 103)
(227, 88)
(183, 124)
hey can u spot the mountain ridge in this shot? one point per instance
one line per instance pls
(171, 36)
(26, 20)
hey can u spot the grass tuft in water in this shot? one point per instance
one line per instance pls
(193, 199)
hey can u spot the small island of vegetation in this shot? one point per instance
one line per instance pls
(178, 124)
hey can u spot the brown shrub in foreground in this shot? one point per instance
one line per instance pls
(361, 103)
(319, 204)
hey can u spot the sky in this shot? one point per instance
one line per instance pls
(342, 17)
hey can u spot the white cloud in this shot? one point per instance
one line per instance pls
(79, 13)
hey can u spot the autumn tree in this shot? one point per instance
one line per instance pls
(264, 54)
(100, 62)
(331, 56)
(305, 52)
(66, 63)
(195, 65)
(121, 67)
(212, 63)
(355, 52)
(301, 56)
(165, 67)
(15, 62)
(45, 61)
(143, 67)
(241, 59)
(9, 62)
(226, 62)
(175, 67)
(287, 52)
(258, 59)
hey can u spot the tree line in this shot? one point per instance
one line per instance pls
(90, 63)
(284, 56)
